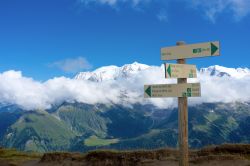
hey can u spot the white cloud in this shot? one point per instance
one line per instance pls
(114, 2)
(72, 65)
(31, 94)
(16, 89)
(223, 89)
(213, 8)
(210, 8)
(162, 16)
(109, 2)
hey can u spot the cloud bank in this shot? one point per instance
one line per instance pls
(31, 94)
(72, 65)
(113, 2)
(209, 8)
(213, 8)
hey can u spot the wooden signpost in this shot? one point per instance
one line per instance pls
(182, 89)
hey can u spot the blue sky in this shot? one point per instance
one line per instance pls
(48, 38)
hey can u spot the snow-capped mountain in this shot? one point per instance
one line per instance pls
(221, 71)
(114, 72)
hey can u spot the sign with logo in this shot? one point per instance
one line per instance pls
(180, 71)
(191, 51)
(172, 90)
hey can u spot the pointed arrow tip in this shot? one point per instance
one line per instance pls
(214, 48)
(169, 70)
(148, 91)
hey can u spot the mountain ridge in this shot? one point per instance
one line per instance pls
(112, 72)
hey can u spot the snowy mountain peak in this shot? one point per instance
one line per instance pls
(221, 71)
(112, 72)
(134, 67)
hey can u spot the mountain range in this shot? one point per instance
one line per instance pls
(129, 70)
(82, 126)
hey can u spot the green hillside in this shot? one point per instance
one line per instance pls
(83, 119)
(154, 139)
(95, 141)
(38, 132)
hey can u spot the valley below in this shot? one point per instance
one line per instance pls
(79, 134)
(79, 127)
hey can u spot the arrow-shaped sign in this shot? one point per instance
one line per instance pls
(191, 51)
(180, 71)
(172, 90)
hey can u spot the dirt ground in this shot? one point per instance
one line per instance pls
(145, 163)
(223, 155)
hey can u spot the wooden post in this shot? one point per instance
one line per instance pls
(182, 120)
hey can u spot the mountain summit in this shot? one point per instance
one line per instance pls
(112, 72)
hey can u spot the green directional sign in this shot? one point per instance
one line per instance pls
(180, 71)
(191, 51)
(172, 90)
